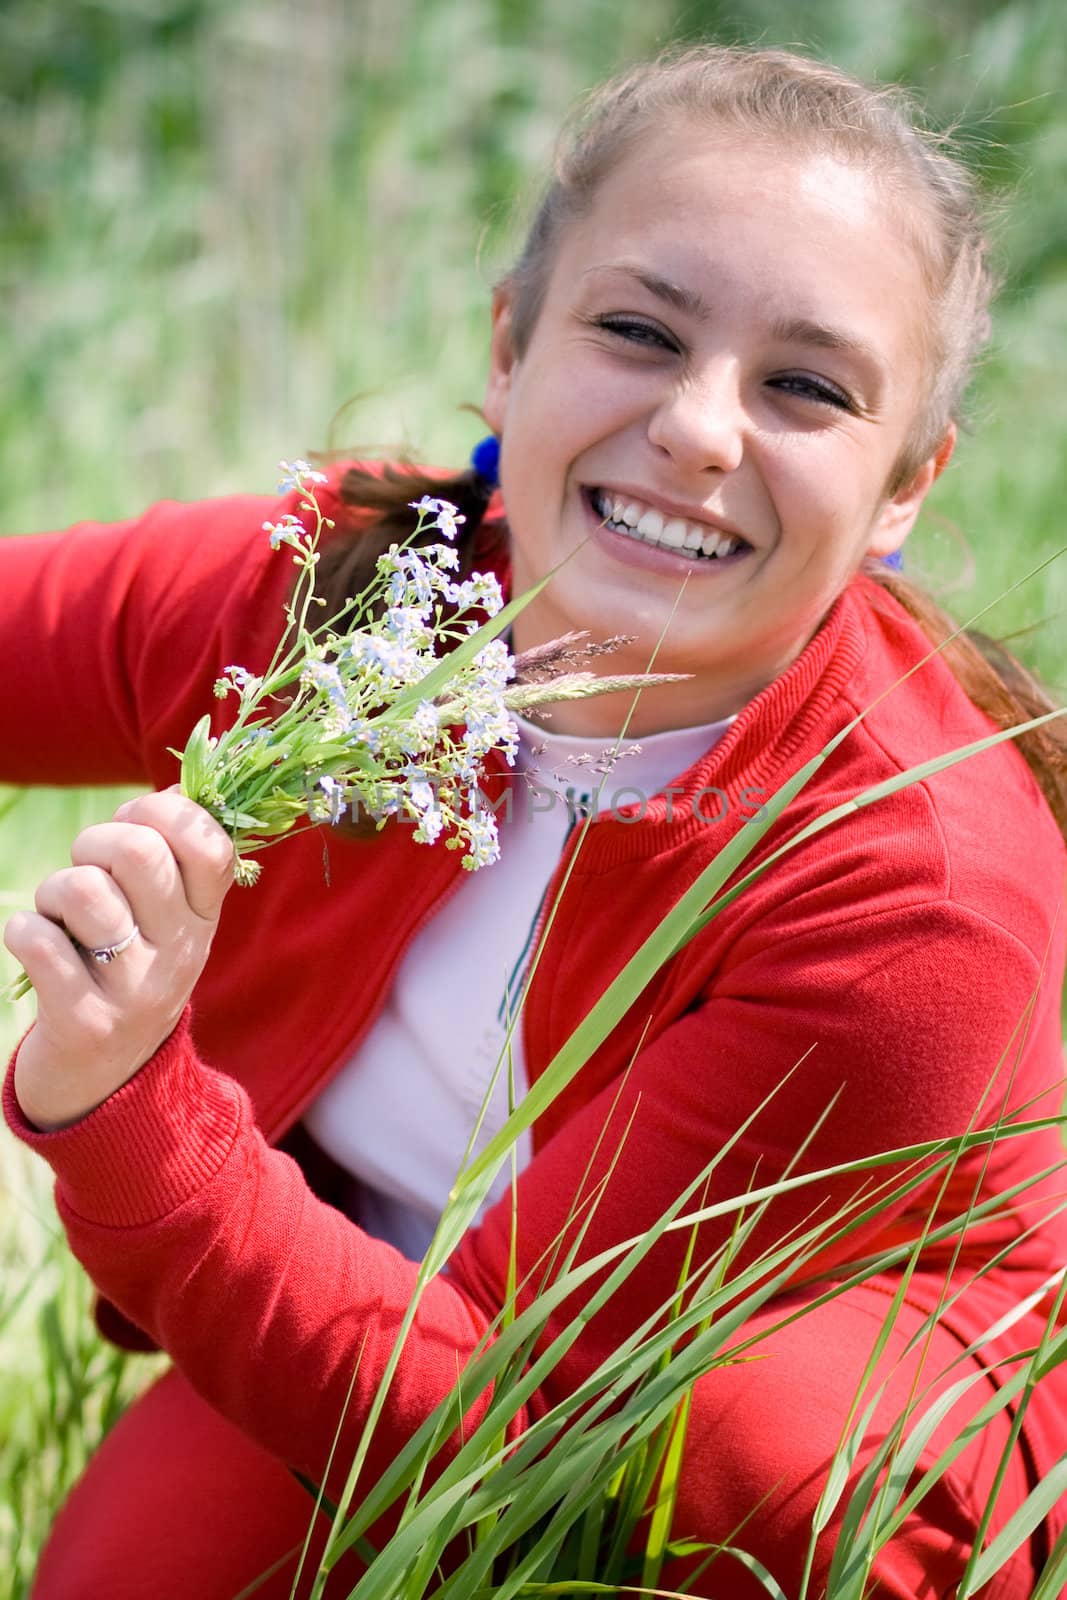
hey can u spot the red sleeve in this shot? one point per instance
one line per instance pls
(113, 635)
(213, 1243)
(265, 1297)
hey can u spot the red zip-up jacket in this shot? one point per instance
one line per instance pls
(894, 961)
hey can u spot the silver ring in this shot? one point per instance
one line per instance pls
(105, 953)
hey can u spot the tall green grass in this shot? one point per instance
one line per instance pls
(236, 231)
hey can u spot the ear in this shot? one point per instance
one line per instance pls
(502, 361)
(897, 517)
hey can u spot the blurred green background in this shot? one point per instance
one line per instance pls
(224, 221)
(234, 232)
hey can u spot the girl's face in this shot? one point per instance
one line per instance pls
(730, 356)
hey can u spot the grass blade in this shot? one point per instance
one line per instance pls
(1015, 1532)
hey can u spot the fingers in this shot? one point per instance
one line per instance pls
(152, 838)
(162, 864)
(123, 874)
(87, 903)
(45, 953)
(162, 867)
(79, 910)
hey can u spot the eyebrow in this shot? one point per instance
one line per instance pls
(685, 300)
(800, 330)
(790, 330)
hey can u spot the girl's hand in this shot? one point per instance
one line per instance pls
(161, 865)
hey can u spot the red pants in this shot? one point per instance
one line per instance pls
(177, 1504)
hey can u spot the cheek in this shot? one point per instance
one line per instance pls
(824, 487)
(576, 393)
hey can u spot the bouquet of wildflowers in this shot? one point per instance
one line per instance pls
(389, 708)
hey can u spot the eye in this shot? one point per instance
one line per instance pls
(635, 331)
(818, 389)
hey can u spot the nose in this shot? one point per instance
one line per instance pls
(700, 424)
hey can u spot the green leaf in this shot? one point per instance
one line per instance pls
(1053, 1579)
(1015, 1532)
(195, 757)
(758, 1571)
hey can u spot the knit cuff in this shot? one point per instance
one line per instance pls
(149, 1146)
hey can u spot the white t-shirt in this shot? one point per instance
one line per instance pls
(399, 1116)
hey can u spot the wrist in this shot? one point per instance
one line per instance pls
(56, 1089)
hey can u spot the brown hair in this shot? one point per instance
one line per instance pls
(785, 98)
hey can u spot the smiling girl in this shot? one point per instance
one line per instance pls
(724, 374)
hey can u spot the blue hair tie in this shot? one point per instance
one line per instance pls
(485, 459)
(894, 559)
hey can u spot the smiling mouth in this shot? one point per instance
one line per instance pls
(646, 525)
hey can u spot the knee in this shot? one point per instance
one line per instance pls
(761, 1445)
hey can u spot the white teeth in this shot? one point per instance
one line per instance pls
(643, 522)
